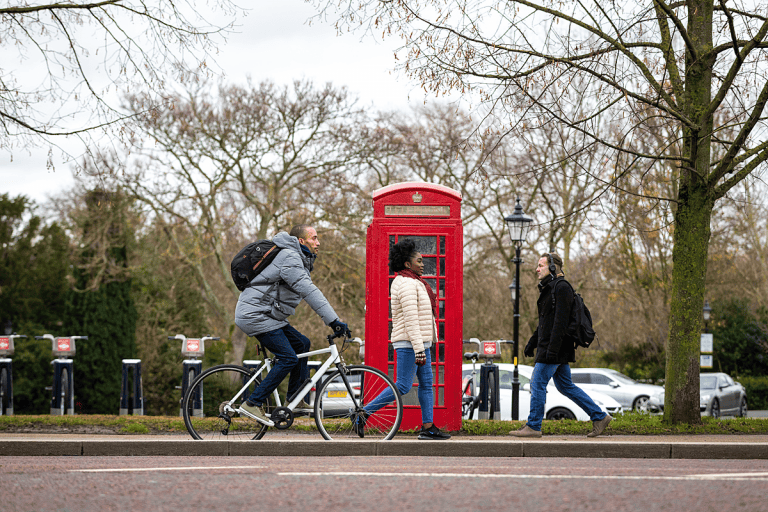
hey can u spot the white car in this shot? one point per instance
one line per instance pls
(557, 405)
(632, 395)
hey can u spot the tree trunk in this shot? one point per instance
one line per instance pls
(689, 256)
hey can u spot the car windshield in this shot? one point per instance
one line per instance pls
(708, 382)
(621, 377)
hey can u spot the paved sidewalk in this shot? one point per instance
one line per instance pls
(290, 444)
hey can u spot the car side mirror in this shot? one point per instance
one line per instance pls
(614, 385)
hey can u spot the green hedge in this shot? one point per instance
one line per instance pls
(757, 392)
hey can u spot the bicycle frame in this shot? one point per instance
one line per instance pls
(333, 359)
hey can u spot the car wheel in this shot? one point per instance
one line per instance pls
(715, 412)
(743, 407)
(640, 404)
(560, 413)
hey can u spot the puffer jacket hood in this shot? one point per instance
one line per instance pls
(274, 294)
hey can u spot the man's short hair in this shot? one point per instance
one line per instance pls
(300, 231)
(553, 257)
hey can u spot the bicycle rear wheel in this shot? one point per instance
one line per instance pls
(217, 387)
(335, 411)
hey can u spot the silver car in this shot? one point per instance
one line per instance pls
(719, 396)
(632, 395)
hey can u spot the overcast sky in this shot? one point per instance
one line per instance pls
(274, 42)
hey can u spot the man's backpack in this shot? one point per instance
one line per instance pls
(580, 327)
(251, 260)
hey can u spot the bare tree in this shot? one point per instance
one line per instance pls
(239, 164)
(65, 63)
(682, 62)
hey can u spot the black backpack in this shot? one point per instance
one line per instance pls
(580, 327)
(251, 260)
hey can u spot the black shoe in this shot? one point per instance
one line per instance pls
(358, 424)
(433, 433)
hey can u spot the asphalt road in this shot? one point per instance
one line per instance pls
(102, 484)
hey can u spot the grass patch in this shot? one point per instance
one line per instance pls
(94, 423)
(623, 424)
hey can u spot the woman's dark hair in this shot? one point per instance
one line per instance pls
(399, 253)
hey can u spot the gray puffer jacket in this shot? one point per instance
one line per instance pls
(274, 294)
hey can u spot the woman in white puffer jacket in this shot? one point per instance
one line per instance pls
(413, 305)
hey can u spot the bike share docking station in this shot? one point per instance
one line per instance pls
(489, 404)
(63, 389)
(6, 373)
(192, 348)
(131, 391)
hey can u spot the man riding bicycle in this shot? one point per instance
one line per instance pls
(265, 305)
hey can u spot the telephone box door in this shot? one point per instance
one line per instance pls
(430, 215)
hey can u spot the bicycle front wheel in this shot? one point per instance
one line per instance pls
(209, 406)
(336, 414)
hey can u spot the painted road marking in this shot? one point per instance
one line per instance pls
(752, 477)
(180, 468)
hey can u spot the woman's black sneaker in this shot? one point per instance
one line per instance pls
(433, 433)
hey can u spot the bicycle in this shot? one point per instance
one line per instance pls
(338, 400)
(469, 401)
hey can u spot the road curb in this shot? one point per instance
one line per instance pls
(396, 448)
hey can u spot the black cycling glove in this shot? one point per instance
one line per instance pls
(340, 328)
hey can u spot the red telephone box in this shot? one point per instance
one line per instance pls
(431, 216)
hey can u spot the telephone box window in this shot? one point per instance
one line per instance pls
(442, 245)
(424, 244)
(430, 266)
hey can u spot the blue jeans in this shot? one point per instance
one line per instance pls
(284, 343)
(561, 373)
(406, 368)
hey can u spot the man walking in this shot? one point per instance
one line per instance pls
(554, 350)
(265, 305)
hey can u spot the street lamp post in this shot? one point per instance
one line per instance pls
(518, 224)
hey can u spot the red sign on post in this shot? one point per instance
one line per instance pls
(430, 215)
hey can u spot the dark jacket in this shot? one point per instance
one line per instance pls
(549, 339)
